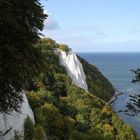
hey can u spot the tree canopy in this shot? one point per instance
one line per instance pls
(20, 26)
(133, 106)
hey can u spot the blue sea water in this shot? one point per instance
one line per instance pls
(116, 67)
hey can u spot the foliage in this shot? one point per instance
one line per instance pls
(62, 110)
(20, 61)
(133, 106)
(137, 75)
(67, 112)
(39, 133)
(34, 99)
(97, 83)
(29, 131)
(64, 48)
(49, 117)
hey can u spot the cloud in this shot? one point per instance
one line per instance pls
(51, 24)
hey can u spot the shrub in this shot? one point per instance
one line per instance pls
(29, 130)
(64, 48)
(50, 118)
(39, 133)
(33, 99)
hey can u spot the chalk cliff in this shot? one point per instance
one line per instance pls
(74, 68)
(14, 121)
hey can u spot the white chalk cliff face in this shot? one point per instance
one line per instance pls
(14, 121)
(74, 68)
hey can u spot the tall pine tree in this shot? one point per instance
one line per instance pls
(20, 24)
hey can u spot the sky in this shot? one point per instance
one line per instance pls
(94, 25)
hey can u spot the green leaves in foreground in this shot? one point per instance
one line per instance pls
(20, 61)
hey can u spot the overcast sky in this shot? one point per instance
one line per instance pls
(94, 25)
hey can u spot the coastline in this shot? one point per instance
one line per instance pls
(114, 97)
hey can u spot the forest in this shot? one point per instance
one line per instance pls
(65, 112)
(62, 111)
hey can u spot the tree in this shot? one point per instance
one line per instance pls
(50, 118)
(39, 133)
(133, 106)
(29, 131)
(64, 48)
(20, 61)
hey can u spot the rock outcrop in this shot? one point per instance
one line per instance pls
(74, 68)
(14, 121)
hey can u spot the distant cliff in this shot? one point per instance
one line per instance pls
(97, 83)
(74, 68)
(85, 75)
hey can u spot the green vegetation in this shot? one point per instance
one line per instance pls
(133, 106)
(29, 130)
(66, 112)
(62, 111)
(97, 83)
(39, 133)
(64, 48)
(20, 61)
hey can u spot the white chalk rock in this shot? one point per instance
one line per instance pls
(74, 68)
(14, 121)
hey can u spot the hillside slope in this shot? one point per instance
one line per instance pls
(97, 83)
(64, 111)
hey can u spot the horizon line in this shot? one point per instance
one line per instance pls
(108, 52)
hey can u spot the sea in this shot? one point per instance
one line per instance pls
(117, 68)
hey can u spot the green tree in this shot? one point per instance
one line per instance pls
(39, 133)
(50, 118)
(29, 131)
(20, 61)
(64, 48)
(97, 83)
(133, 106)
